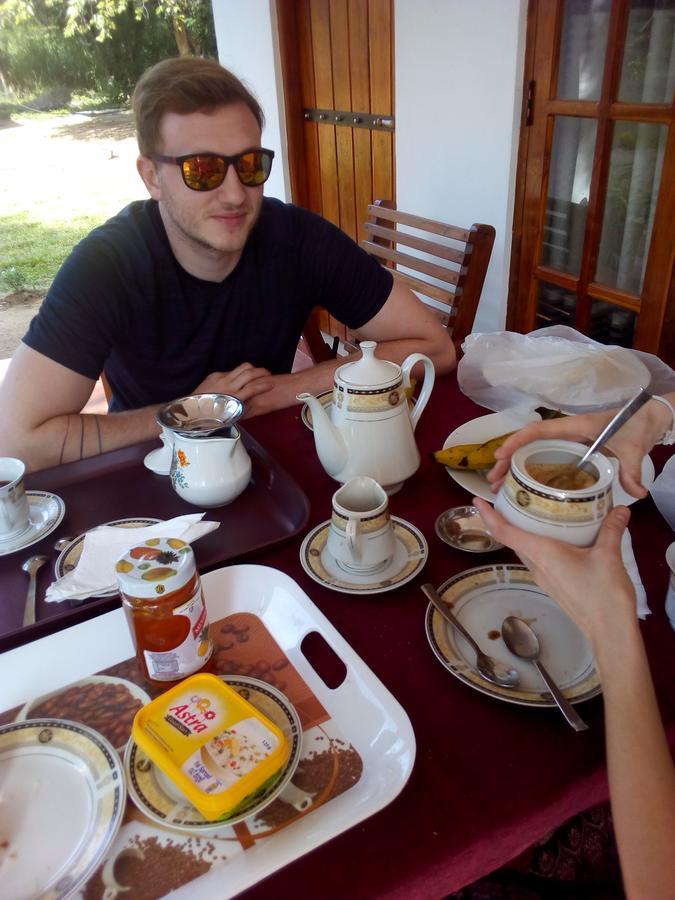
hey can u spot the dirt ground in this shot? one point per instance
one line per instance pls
(16, 311)
(87, 165)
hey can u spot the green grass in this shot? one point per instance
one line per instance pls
(32, 251)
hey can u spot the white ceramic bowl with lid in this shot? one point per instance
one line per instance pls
(573, 515)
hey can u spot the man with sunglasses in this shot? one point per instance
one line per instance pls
(205, 287)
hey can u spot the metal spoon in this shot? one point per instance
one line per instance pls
(521, 640)
(31, 566)
(62, 543)
(491, 669)
(623, 415)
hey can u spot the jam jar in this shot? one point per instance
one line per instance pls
(162, 599)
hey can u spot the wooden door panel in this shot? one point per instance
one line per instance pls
(359, 70)
(585, 298)
(379, 31)
(337, 55)
(323, 93)
(311, 170)
(342, 97)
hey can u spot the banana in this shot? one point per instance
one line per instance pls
(471, 456)
(482, 456)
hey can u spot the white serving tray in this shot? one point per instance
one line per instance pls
(362, 708)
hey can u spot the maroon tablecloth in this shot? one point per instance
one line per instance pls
(490, 778)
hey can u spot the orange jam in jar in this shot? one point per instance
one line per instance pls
(162, 599)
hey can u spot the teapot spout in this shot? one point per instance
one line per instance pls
(330, 445)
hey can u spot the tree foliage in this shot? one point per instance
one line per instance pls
(99, 45)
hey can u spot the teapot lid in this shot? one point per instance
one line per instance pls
(369, 371)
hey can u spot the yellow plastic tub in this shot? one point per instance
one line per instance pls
(215, 746)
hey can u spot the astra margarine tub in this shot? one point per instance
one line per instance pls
(212, 743)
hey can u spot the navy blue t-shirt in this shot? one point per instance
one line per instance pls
(121, 302)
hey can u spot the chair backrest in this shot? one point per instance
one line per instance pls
(450, 273)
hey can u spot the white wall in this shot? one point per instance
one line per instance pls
(459, 71)
(246, 34)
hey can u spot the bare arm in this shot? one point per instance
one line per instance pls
(404, 325)
(629, 444)
(592, 586)
(40, 419)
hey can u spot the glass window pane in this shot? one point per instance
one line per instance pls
(582, 49)
(632, 192)
(611, 324)
(648, 72)
(556, 306)
(568, 188)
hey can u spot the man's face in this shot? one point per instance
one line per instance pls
(220, 220)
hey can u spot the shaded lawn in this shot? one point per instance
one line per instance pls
(35, 249)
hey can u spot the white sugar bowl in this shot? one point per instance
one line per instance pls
(544, 494)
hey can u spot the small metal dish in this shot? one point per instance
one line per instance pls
(200, 414)
(463, 528)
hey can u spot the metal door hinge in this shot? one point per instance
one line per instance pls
(349, 119)
(529, 103)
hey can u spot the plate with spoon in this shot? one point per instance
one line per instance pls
(481, 599)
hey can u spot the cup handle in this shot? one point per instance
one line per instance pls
(427, 384)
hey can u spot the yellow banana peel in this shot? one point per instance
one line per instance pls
(471, 456)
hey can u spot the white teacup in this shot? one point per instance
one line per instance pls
(570, 514)
(14, 509)
(361, 536)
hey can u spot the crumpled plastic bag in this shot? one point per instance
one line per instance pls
(556, 367)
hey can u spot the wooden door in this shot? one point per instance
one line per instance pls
(337, 62)
(595, 201)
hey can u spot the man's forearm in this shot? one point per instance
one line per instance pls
(77, 436)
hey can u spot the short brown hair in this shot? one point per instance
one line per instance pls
(184, 85)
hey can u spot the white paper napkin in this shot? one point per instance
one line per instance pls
(663, 492)
(103, 546)
(641, 605)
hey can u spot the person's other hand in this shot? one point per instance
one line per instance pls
(629, 444)
(590, 583)
(245, 382)
(275, 392)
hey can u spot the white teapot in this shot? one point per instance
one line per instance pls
(371, 429)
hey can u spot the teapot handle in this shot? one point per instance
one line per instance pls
(427, 385)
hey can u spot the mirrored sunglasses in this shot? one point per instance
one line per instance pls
(207, 171)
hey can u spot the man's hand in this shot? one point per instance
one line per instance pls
(245, 382)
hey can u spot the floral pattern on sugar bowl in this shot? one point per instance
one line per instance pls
(209, 471)
(178, 460)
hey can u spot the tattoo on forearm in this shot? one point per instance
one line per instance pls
(98, 434)
(65, 438)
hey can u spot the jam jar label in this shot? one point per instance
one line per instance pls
(192, 653)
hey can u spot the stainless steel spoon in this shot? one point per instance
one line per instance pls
(31, 566)
(62, 543)
(522, 640)
(491, 669)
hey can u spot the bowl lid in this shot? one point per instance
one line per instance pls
(368, 371)
(200, 414)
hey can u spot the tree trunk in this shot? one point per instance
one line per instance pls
(181, 36)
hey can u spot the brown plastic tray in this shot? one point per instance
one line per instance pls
(117, 485)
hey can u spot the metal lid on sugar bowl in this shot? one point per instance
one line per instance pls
(200, 415)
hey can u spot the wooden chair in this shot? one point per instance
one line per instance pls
(453, 268)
